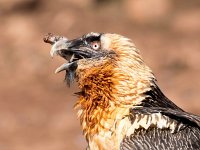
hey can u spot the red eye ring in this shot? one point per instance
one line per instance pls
(95, 45)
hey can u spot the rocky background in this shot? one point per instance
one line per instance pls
(36, 106)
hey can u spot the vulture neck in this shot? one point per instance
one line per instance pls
(108, 92)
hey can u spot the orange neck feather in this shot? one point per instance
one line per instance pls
(109, 90)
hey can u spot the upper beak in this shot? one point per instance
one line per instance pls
(58, 42)
(59, 45)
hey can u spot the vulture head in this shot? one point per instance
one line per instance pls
(97, 51)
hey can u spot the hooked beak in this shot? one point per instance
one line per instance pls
(65, 48)
(70, 50)
(61, 48)
(58, 46)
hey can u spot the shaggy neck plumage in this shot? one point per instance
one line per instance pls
(108, 91)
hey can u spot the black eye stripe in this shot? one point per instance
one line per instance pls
(88, 39)
(92, 39)
(76, 42)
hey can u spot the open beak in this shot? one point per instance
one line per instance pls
(61, 48)
(70, 50)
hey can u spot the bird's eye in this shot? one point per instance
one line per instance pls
(95, 45)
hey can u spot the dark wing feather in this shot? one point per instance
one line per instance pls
(186, 137)
(159, 139)
(155, 98)
(178, 115)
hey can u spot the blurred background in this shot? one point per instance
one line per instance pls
(36, 106)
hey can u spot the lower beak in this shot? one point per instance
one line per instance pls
(65, 66)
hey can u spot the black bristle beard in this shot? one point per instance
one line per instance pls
(71, 73)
